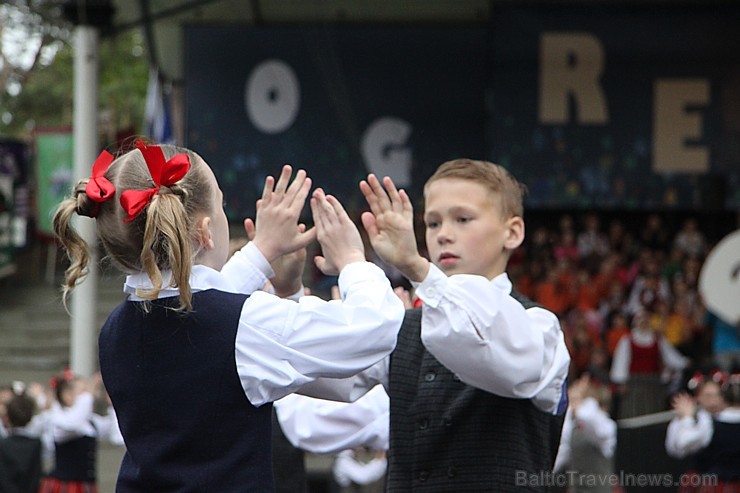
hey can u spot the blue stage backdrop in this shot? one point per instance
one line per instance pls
(337, 101)
(617, 107)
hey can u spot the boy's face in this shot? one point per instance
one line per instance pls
(465, 231)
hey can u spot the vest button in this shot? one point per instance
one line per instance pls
(429, 377)
(423, 476)
(423, 424)
(455, 377)
(451, 472)
(448, 421)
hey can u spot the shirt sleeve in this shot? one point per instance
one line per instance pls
(321, 426)
(477, 330)
(620, 370)
(71, 422)
(347, 469)
(671, 356)
(348, 389)
(688, 435)
(248, 270)
(107, 427)
(562, 459)
(597, 426)
(282, 345)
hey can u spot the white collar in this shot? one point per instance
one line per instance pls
(201, 278)
(502, 282)
(729, 415)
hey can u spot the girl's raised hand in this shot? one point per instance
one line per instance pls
(276, 227)
(340, 240)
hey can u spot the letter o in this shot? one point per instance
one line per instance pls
(272, 96)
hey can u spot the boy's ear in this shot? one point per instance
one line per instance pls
(515, 232)
(203, 232)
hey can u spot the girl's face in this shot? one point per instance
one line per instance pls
(709, 397)
(216, 256)
(70, 392)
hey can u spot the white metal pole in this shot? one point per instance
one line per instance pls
(83, 337)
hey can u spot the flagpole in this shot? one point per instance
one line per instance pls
(83, 340)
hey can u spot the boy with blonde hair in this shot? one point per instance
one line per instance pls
(477, 380)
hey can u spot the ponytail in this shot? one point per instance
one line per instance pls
(78, 251)
(166, 242)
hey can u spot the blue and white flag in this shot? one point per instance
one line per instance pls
(157, 115)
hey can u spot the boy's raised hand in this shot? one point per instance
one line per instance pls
(390, 227)
(340, 240)
(277, 231)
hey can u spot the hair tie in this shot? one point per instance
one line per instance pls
(696, 379)
(720, 377)
(164, 173)
(98, 187)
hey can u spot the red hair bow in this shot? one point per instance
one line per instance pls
(98, 187)
(164, 173)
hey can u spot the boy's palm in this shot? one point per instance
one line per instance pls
(390, 222)
(340, 240)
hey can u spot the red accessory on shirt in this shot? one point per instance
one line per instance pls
(164, 173)
(98, 187)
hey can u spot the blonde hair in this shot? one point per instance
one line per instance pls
(160, 238)
(492, 176)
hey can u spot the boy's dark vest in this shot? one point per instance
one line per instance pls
(187, 425)
(447, 436)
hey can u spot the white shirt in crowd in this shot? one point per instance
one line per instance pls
(690, 434)
(596, 424)
(671, 358)
(347, 469)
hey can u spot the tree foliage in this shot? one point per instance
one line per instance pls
(37, 76)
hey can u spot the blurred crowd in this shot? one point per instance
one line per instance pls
(628, 301)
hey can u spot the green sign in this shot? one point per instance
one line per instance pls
(54, 169)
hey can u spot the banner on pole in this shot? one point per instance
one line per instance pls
(54, 170)
(14, 207)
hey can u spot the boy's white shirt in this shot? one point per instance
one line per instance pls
(282, 344)
(328, 427)
(488, 339)
(598, 427)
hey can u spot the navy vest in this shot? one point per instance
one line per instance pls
(447, 436)
(172, 378)
(76, 459)
(722, 455)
